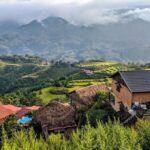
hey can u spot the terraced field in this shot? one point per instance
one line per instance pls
(104, 67)
(4, 64)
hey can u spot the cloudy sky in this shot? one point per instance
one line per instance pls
(83, 12)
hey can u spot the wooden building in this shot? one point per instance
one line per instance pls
(130, 87)
(85, 96)
(56, 117)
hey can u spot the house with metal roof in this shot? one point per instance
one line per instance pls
(129, 88)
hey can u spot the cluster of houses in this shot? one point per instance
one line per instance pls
(129, 92)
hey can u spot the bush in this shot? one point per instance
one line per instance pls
(103, 137)
(101, 111)
(58, 91)
(143, 128)
(95, 115)
(102, 96)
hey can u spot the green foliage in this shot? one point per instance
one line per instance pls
(20, 98)
(58, 91)
(51, 93)
(102, 96)
(106, 68)
(8, 127)
(143, 129)
(95, 115)
(100, 111)
(104, 137)
(27, 75)
(21, 59)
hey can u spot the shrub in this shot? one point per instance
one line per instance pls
(102, 96)
(103, 137)
(143, 129)
(58, 91)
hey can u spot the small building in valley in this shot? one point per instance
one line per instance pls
(56, 117)
(86, 96)
(131, 88)
(88, 72)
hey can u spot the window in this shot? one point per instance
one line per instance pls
(118, 87)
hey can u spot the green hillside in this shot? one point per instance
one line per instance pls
(22, 78)
(108, 67)
(30, 81)
(46, 96)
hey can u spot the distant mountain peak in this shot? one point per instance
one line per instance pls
(33, 23)
(55, 20)
(55, 37)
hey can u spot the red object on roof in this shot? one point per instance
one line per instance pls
(22, 112)
(25, 110)
(12, 108)
(5, 113)
(8, 110)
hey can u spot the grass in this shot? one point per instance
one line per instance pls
(147, 69)
(104, 67)
(102, 70)
(96, 64)
(45, 95)
(4, 64)
(83, 82)
(37, 73)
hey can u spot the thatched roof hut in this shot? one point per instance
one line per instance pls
(85, 96)
(55, 117)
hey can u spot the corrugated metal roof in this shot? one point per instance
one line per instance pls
(137, 81)
(12, 108)
(22, 112)
(4, 113)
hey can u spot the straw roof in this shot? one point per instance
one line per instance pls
(87, 94)
(56, 115)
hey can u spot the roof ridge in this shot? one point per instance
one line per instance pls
(90, 86)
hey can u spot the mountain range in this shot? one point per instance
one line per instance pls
(56, 39)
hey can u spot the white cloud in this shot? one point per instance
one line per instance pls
(49, 2)
(76, 11)
(139, 13)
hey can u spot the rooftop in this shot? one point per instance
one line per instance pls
(4, 113)
(56, 115)
(136, 81)
(87, 94)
